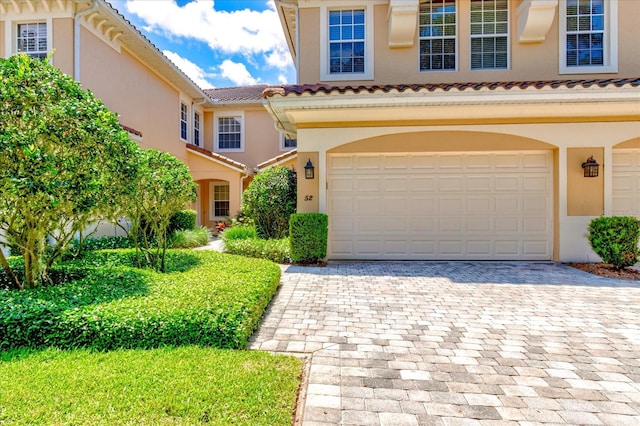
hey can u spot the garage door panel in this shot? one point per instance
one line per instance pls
(506, 224)
(396, 183)
(341, 184)
(450, 183)
(477, 205)
(507, 183)
(422, 183)
(394, 162)
(368, 184)
(479, 224)
(423, 225)
(626, 182)
(479, 248)
(441, 206)
(479, 183)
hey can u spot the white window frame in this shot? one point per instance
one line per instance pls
(286, 148)
(455, 37)
(482, 36)
(325, 74)
(11, 32)
(47, 49)
(212, 199)
(184, 121)
(228, 114)
(610, 42)
(197, 128)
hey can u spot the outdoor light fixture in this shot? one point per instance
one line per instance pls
(308, 170)
(590, 167)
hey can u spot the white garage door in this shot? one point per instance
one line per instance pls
(626, 182)
(475, 206)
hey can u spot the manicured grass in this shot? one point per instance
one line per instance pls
(209, 298)
(185, 386)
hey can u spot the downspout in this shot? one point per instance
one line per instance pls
(76, 38)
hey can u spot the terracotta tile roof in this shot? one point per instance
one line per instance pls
(278, 160)
(218, 157)
(131, 130)
(313, 89)
(237, 94)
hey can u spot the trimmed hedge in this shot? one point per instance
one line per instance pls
(615, 240)
(182, 220)
(308, 236)
(275, 250)
(207, 298)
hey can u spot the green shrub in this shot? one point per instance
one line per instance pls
(205, 298)
(182, 220)
(275, 250)
(240, 232)
(615, 240)
(102, 243)
(189, 238)
(269, 200)
(308, 234)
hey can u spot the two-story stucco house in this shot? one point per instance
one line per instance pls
(223, 135)
(463, 129)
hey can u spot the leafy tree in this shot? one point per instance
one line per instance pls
(269, 200)
(63, 157)
(162, 187)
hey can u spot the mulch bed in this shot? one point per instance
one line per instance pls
(608, 271)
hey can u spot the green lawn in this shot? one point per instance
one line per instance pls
(137, 347)
(188, 385)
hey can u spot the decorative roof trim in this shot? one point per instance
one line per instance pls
(217, 158)
(324, 89)
(132, 131)
(276, 161)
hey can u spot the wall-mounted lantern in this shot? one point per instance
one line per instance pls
(309, 170)
(590, 167)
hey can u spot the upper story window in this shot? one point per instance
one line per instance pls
(196, 129)
(229, 132)
(437, 32)
(346, 43)
(32, 39)
(588, 36)
(489, 34)
(183, 121)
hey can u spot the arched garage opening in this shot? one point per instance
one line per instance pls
(442, 196)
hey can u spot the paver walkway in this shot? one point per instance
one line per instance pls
(408, 343)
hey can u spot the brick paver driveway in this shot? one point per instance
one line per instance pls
(397, 343)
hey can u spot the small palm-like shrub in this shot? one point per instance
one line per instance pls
(189, 238)
(240, 232)
(615, 240)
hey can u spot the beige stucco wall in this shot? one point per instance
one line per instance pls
(142, 99)
(308, 189)
(261, 139)
(529, 61)
(630, 144)
(585, 196)
(63, 44)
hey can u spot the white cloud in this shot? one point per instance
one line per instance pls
(246, 32)
(237, 73)
(193, 71)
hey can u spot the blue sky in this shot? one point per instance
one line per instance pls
(217, 43)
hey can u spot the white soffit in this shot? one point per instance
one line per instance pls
(534, 19)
